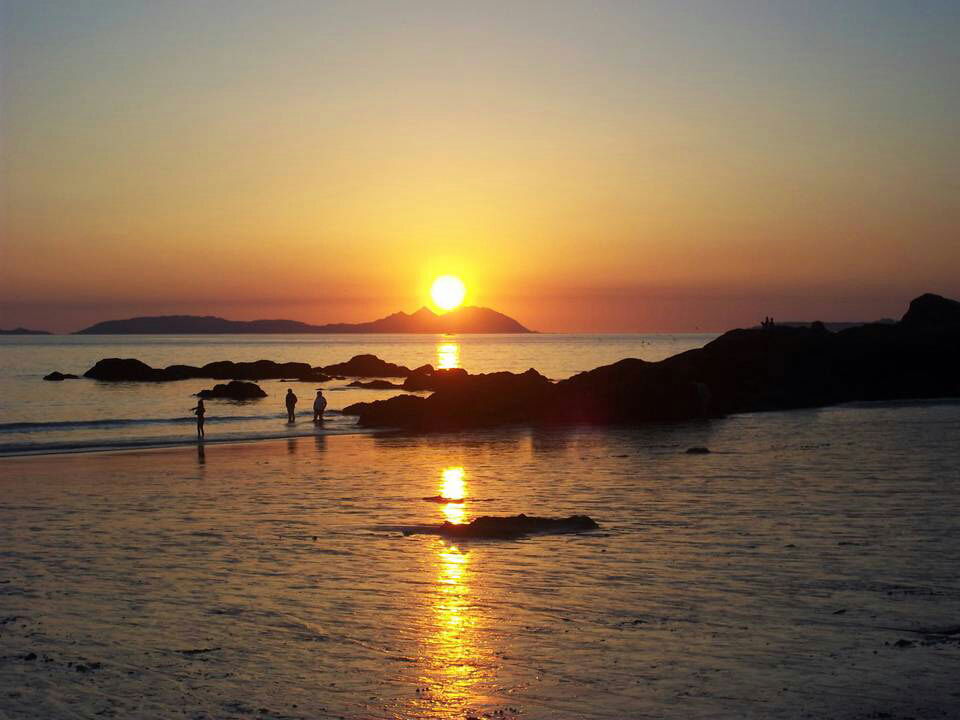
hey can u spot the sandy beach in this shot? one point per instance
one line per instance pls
(806, 568)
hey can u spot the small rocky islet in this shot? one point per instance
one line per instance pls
(506, 527)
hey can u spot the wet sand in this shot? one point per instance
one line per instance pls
(807, 568)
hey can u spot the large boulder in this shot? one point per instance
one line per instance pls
(366, 366)
(932, 311)
(233, 390)
(426, 378)
(124, 370)
(398, 411)
(469, 401)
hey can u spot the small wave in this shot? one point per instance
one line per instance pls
(102, 445)
(125, 422)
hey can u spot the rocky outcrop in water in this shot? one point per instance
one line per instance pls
(375, 385)
(233, 390)
(770, 368)
(426, 378)
(59, 376)
(131, 370)
(506, 527)
(466, 401)
(367, 366)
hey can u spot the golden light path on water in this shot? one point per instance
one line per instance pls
(454, 487)
(448, 355)
(456, 657)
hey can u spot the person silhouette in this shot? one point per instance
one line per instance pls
(291, 400)
(199, 411)
(319, 405)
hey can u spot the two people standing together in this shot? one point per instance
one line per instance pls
(319, 405)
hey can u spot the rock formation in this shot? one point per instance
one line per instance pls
(59, 376)
(367, 366)
(506, 527)
(772, 368)
(233, 390)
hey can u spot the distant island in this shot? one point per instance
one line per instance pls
(465, 320)
(23, 331)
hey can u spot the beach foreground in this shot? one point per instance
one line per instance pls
(804, 568)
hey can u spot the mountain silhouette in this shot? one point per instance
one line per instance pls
(23, 331)
(464, 320)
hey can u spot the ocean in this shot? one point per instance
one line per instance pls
(73, 415)
(805, 568)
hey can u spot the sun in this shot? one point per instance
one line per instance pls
(448, 292)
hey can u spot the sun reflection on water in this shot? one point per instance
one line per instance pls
(453, 486)
(448, 355)
(459, 666)
(454, 640)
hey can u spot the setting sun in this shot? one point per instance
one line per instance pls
(448, 292)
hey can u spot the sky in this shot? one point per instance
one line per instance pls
(583, 166)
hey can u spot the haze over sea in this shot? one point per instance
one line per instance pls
(38, 416)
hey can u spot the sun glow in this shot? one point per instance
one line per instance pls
(448, 292)
(453, 486)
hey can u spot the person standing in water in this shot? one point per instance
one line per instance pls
(291, 404)
(199, 411)
(319, 405)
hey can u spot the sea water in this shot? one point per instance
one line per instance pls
(38, 416)
(806, 568)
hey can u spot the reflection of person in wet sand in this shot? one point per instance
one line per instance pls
(319, 405)
(199, 411)
(291, 404)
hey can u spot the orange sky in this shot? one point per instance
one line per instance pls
(670, 167)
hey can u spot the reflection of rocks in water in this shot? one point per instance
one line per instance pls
(490, 526)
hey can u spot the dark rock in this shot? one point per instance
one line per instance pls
(698, 451)
(376, 385)
(468, 401)
(395, 412)
(234, 390)
(124, 370)
(59, 376)
(30, 657)
(932, 311)
(367, 366)
(129, 370)
(260, 370)
(419, 378)
(426, 378)
(443, 500)
(489, 526)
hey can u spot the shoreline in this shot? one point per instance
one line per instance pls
(192, 443)
(356, 430)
